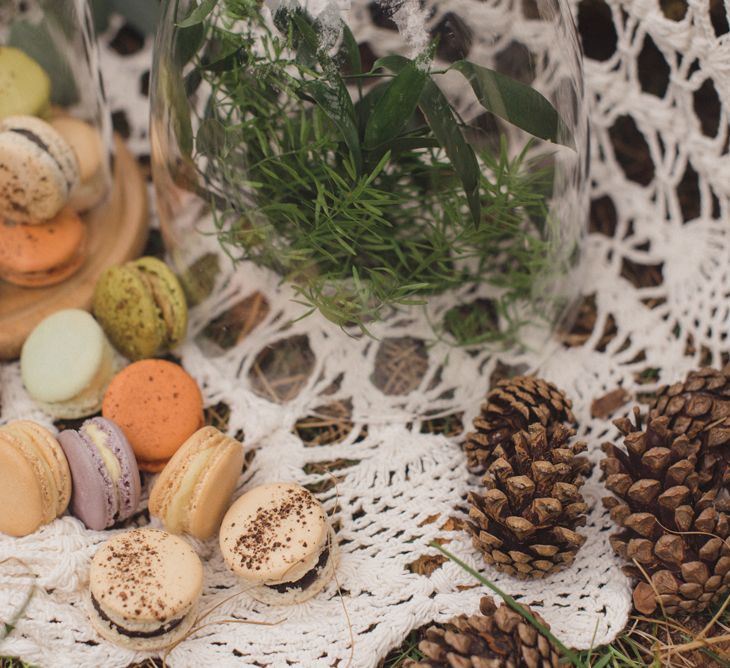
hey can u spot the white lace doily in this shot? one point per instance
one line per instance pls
(658, 258)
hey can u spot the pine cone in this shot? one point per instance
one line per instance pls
(524, 523)
(700, 408)
(497, 638)
(511, 406)
(672, 526)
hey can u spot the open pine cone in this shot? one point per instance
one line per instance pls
(669, 513)
(511, 406)
(497, 638)
(525, 522)
(700, 408)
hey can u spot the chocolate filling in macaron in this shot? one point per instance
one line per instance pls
(308, 579)
(165, 628)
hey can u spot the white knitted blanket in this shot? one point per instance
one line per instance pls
(396, 487)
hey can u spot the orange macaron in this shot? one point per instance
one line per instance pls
(36, 256)
(158, 405)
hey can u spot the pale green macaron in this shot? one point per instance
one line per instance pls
(141, 307)
(67, 363)
(25, 88)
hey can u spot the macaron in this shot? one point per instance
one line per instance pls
(158, 406)
(144, 587)
(141, 307)
(106, 485)
(276, 538)
(25, 87)
(35, 481)
(38, 170)
(66, 364)
(88, 147)
(194, 490)
(36, 256)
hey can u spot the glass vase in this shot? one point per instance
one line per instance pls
(372, 168)
(72, 201)
(58, 35)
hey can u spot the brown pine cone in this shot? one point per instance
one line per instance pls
(700, 408)
(511, 406)
(525, 521)
(499, 637)
(671, 524)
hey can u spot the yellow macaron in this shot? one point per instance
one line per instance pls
(194, 490)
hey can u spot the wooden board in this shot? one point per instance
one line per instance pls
(117, 232)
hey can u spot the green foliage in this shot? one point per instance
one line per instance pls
(515, 102)
(359, 187)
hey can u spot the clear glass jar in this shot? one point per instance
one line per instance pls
(58, 35)
(380, 163)
(94, 212)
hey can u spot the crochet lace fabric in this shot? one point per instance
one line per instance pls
(656, 304)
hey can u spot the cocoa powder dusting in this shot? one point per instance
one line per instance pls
(132, 567)
(263, 536)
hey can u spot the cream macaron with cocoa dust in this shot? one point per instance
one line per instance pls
(144, 586)
(277, 539)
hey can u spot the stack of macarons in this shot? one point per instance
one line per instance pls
(52, 170)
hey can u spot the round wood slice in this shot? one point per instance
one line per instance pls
(117, 232)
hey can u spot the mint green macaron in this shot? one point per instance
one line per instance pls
(141, 307)
(67, 363)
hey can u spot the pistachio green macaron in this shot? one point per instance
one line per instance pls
(141, 307)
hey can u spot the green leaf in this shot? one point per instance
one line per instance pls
(394, 63)
(187, 41)
(199, 14)
(366, 104)
(515, 102)
(395, 108)
(302, 28)
(333, 98)
(440, 117)
(306, 30)
(211, 138)
(351, 50)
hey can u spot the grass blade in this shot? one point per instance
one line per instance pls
(569, 654)
(334, 100)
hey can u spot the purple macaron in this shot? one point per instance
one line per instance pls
(106, 484)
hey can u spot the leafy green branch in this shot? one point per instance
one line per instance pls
(365, 189)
